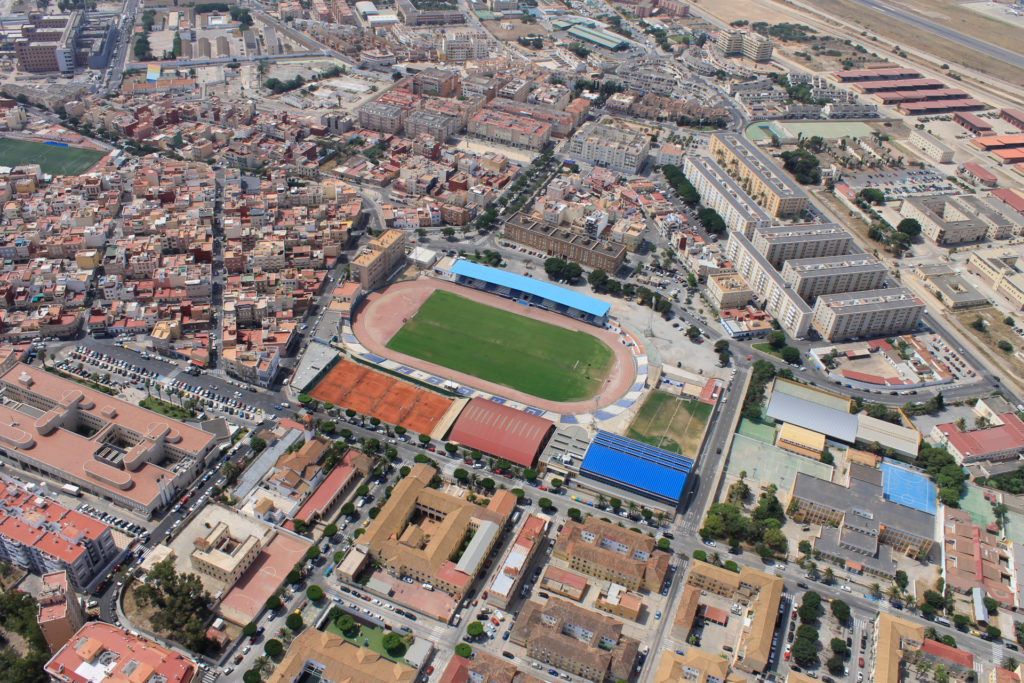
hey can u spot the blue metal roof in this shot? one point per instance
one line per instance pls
(638, 466)
(559, 295)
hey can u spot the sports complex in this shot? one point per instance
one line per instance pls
(498, 362)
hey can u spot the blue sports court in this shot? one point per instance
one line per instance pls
(908, 487)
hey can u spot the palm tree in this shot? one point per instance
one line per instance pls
(876, 591)
(716, 559)
(894, 592)
(829, 575)
(632, 508)
(601, 500)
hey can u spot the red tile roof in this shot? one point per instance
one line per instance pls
(137, 659)
(501, 431)
(950, 654)
(1007, 436)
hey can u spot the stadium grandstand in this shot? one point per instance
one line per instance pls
(532, 292)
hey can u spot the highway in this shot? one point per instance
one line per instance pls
(976, 44)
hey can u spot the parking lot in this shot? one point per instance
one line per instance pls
(902, 184)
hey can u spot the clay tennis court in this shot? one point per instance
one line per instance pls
(385, 311)
(369, 392)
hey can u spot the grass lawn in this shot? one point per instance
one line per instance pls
(370, 638)
(498, 346)
(52, 159)
(164, 408)
(765, 347)
(672, 423)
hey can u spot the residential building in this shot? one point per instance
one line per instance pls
(974, 559)
(727, 290)
(997, 434)
(860, 525)
(437, 82)
(224, 557)
(512, 575)
(950, 220)
(771, 292)
(720, 192)
(48, 43)
(615, 599)
(102, 653)
(378, 261)
(509, 129)
(385, 118)
(744, 43)
(484, 668)
(406, 548)
(772, 189)
(697, 666)
(1002, 272)
(423, 122)
(758, 594)
(563, 243)
(931, 146)
(814, 277)
(610, 553)
(780, 243)
(335, 660)
(602, 144)
(60, 611)
(894, 638)
(872, 313)
(584, 643)
(950, 287)
(111, 448)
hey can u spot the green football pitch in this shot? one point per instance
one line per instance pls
(536, 358)
(52, 159)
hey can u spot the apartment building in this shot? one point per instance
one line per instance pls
(424, 122)
(872, 313)
(60, 611)
(1002, 271)
(608, 146)
(335, 660)
(41, 536)
(512, 575)
(758, 594)
(437, 82)
(975, 558)
(108, 654)
(727, 290)
(720, 192)
(744, 43)
(108, 447)
(771, 292)
(385, 118)
(768, 185)
(858, 520)
(509, 129)
(610, 553)
(375, 264)
(950, 220)
(565, 244)
(562, 121)
(47, 43)
(931, 146)
(781, 243)
(419, 530)
(814, 277)
(696, 666)
(570, 637)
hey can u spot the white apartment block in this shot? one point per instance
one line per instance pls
(933, 149)
(781, 243)
(720, 192)
(772, 293)
(874, 313)
(604, 145)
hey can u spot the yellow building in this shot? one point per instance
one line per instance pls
(222, 556)
(379, 260)
(894, 638)
(617, 600)
(335, 659)
(765, 183)
(800, 441)
(696, 666)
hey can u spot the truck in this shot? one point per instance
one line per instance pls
(71, 490)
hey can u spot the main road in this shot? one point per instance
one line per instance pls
(1012, 58)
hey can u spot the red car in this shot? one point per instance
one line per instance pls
(786, 656)
(429, 670)
(860, 662)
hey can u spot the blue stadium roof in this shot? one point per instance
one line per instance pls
(637, 466)
(559, 295)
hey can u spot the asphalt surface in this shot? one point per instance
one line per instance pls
(1012, 58)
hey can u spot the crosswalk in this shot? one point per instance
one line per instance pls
(998, 653)
(210, 675)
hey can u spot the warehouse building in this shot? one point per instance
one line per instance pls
(501, 431)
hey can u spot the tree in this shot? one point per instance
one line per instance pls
(424, 438)
(294, 621)
(257, 444)
(461, 474)
(293, 577)
(273, 602)
(487, 484)
(312, 552)
(250, 629)
(993, 632)
(804, 651)
(574, 514)
(348, 509)
(835, 664)
(777, 339)
(961, 620)
(463, 650)
(273, 647)
(721, 345)
(330, 530)
(555, 268)
(692, 332)
(252, 676)
(841, 611)
(902, 580)
(909, 227)
(518, 493)
(315, 593)
(474, 629)
(545, 504)
(790, 354)
(663, 543)
(529, 474)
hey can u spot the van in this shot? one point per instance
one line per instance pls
(427, 586)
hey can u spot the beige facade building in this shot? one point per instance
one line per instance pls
(873, 313)
(335, 660)
(756, 592)
(744, 43)
(958, 219)
(781, 243)
(379, 260)
(931, 146)
(565, 244)
(60, 611)
(1003, 272)
(771, 292)
(509, 129)
(720, 192)
(765, 183)
(695, 666)
(222, 556)
(611, 553)
(815, 277)
(386, 118)
(727, 290)
(609, 146)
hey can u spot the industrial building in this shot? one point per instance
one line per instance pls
(530, 291)
(501, 431)
(636, 468)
